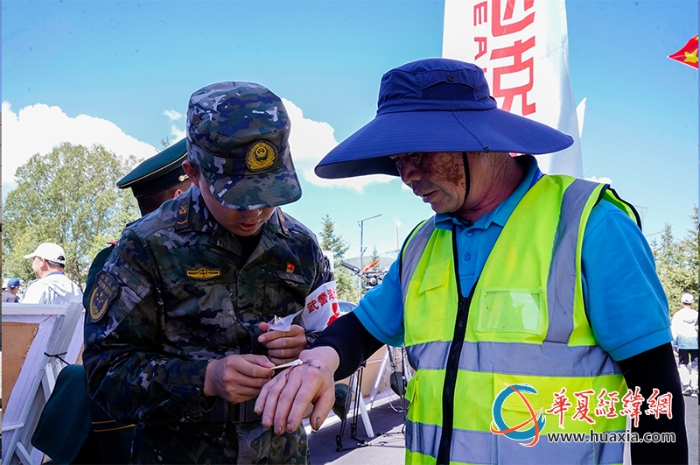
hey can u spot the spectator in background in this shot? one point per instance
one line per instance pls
(9, 291)
(52, 286)
(685, 335)
(152, 182)
(94, 437)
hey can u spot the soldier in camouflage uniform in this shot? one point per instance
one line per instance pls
(177, 336)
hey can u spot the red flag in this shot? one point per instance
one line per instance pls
(688, 54)
(370, 266)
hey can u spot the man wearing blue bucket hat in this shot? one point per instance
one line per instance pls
(201, 299)
(508, 300)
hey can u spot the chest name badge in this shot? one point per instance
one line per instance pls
(105, 290)
(203, 273)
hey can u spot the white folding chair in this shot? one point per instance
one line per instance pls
(58, 339)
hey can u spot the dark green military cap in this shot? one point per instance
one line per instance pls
(158, 173)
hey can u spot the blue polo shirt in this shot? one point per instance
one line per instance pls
(625, 302)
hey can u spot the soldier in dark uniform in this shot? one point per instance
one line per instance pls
(90, 435)
(177, 334)
(152, 182)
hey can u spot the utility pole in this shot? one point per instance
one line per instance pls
(361, 223)
(397, 238)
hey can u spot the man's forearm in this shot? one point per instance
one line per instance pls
(656, 369)
(351, 341)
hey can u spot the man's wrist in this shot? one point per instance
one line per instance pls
(208, 388)
(325, 356)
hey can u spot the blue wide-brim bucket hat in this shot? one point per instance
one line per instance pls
(436, 105)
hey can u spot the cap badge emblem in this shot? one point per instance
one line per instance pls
(260, 155)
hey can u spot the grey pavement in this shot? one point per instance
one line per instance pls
(385, 448)
(691, 426)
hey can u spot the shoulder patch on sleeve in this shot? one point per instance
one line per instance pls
(182, 220)
(105, 290)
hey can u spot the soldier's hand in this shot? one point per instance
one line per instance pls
(284, 400)
(282, 346)
(237, 378)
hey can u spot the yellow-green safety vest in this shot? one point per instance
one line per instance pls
(523, 324)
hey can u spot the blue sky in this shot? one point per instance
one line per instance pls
(120, 73)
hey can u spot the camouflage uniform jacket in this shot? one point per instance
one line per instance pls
(175, 294)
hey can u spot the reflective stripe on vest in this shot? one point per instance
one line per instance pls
(480, 447)
(539, 334)
(523, 359)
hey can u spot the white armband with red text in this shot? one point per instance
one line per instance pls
(321, 308)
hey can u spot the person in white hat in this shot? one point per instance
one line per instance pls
(685, 336)
(52, 286)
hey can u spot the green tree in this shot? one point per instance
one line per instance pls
(678, 262)
(331, 242)
(68, 196)
(346, 283)
(374, 258)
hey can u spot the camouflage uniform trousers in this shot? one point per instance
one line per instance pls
(218, 443)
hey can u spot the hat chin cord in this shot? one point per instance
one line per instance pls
(467, 178)
(467, 181)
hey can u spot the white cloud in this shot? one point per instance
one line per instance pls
(176, 132)
(602, 180)
(39, 128)
(312, 140)
(172, 115)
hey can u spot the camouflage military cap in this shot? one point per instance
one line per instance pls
(238, 134)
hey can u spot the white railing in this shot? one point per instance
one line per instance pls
(58, 333)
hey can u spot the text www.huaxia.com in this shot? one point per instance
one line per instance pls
(622, 436)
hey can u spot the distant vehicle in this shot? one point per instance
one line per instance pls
(371, 278)
(346, 307)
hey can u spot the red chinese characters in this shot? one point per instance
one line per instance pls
(512, 39)
(509, 94)
(632, 405)
(312, 306)
(659, 405)
(582, 408)
(327, 297)
(332, 294)
(560, 405)
(606, 405)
